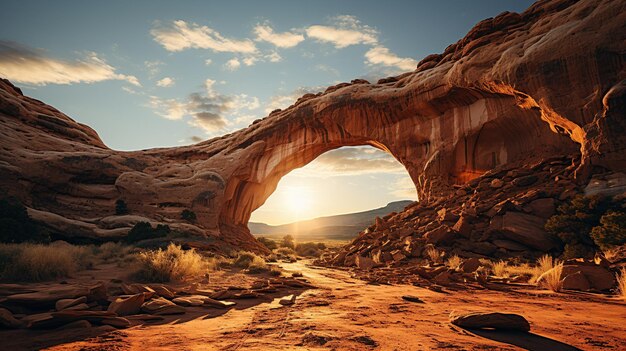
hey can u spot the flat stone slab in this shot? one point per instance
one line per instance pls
(490, 320)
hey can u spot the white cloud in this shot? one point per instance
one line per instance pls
(25, 65)
(207, 62)
(233, 64)
(165, 82)
(249, 61)
(168, 108)
(404, 188)
(326, 68)
(382, 56)
(274, 57)
(153, 67)
(179, 35)
(210, 110)
(283, 40)
(345, 31)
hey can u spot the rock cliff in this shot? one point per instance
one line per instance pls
(548, 82)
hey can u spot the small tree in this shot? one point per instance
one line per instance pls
(120, 207)
(188, 215)
(611, 231)
(288, 242)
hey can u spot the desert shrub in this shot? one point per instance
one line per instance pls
(612, 230)
(258, 265)
(574, 222)
(453, 262)
(434, 255)
(16, 226)
(552, 278)
(286, 253)
(188, 215)
(275, 272)
(112, 251)
(288, 241)
(171, 264)
(38, 262)
(143, 231)
(499, 269)
(120, 207)
(308, 249)
(267, 242)
(621, 283)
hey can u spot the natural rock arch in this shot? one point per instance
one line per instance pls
(549, 81)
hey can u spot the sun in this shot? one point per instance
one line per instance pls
(298, 199)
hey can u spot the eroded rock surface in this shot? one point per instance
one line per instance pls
(549, 81)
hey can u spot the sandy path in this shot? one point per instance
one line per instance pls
(348, 314)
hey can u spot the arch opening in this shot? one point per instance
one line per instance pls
(333, 196)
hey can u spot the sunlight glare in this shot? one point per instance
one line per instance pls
(298, 199)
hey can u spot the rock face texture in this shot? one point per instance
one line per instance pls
(549, 81)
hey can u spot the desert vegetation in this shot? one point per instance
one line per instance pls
(585, 222)
(171, 264)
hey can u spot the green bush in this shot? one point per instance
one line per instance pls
(575, 221)
(611, 231)
(16, 226)
(120, 207)
(269, 243)
(143, 231)
(188, 215)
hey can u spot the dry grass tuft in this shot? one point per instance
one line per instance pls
(434, 255)
(621, 283)
(499, 269)
(552, 278)
(171, 264)
(454, 262)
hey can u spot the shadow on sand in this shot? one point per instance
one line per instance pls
(527, 341)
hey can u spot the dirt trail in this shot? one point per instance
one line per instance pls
(348, 314)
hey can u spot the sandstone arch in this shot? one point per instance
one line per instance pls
(549, 81)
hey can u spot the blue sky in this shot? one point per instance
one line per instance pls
(153, 73)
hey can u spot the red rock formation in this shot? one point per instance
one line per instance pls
(546, 82)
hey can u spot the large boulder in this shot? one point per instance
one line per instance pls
(525, 229)
(491, 320)
(124, 306)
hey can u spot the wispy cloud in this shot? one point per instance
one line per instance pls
(283, 40)
(345, 31)
(355, 160)
(165, 82)
(153, 67)
(233, 64)
(209, 109)
(180, 35)
(382, 56)
(26, 65)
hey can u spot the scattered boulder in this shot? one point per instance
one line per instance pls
(544, 208)
(598, 278)
(161, 306)
(412, 298)
(364, 263)
(463, 226)
(124, 306)
(67, 303)
(491, 320)
(7, 320)
(496, 183)
(525, 181)
(441, 235)
(526, 229)
(470, 265)
(117, 322)
(576, 281)
(49, 296)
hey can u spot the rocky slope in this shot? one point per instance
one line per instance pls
(548, 82)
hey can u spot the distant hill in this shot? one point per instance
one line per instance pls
(344, 226)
